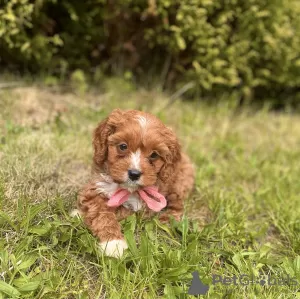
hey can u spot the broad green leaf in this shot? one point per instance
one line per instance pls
(149, 227)
(163, 227)
(175, 272)
(5, 218)
(9, 290)
(129, 235)
(29, 286)
(40, 229)
(27, 262)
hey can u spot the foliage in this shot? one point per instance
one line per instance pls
(219, 45)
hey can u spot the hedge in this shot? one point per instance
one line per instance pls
(219, 45)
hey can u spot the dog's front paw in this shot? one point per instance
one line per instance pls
(114, 248)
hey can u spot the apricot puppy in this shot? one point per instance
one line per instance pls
(137, 166)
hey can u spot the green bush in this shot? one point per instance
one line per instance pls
(220, 45)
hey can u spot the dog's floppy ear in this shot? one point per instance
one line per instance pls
(172, 157)
(101, 134)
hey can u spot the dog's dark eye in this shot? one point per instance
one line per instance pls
(123, 147)
(153, 156)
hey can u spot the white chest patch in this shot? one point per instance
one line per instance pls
(107, 187)
(133, 203)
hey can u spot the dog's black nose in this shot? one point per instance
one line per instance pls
(134, 174)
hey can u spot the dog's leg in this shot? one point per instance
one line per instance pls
(123, 213)
(174, 208)
(102, 221)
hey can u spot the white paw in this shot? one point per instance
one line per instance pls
(114, 248)
(75, 213)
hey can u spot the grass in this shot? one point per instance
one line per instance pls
(243, 217)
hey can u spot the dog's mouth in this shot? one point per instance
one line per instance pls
(131, 186)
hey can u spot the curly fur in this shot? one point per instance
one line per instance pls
(171, 171)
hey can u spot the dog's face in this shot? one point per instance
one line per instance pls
(135, 148)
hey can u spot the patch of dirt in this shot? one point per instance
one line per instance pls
(34, 107)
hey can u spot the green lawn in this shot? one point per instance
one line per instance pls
(243, 218)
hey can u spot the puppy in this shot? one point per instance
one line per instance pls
(137, 166)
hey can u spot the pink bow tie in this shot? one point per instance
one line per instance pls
(156, 202)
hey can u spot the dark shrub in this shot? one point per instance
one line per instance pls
(221, 45)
